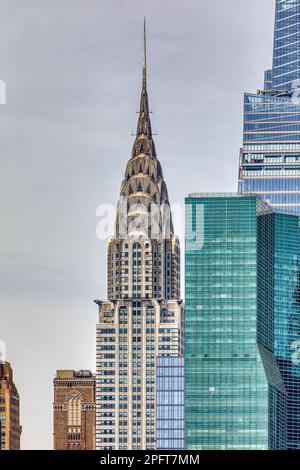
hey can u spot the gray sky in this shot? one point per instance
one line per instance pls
(73, 74)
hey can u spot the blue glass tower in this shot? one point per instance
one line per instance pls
(170, 403)
(286, 55)
(270, 157)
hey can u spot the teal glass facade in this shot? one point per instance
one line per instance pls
(226, 387)
(285, 390)
(242, 364)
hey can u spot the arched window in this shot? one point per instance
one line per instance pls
(74, 410)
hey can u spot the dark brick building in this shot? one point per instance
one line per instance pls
(74, 410)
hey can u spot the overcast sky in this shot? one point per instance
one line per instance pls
(73, 74)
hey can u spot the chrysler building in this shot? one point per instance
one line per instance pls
(143, 318)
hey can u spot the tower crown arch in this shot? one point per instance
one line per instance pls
(142, 164)
(144, 197)
(141, 205)
(140, 183)
(144, 145)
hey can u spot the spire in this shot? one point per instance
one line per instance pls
(144, 98)
(144, 143)
(145, 58)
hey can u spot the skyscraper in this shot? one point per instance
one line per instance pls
(270, 157)
(74, 410)
(143, 317)
(283, 340)
(226, 388)
(242, 364)
(170, 403)
(9, 410)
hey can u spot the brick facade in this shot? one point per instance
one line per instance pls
(74, 410)
(9, 410)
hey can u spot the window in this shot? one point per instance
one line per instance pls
(74, 410)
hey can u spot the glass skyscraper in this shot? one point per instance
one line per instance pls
(286, 56)
(242, 365)
(285, 398)
(270, 157)
(170, 403)
(226, 388)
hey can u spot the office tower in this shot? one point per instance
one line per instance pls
(143, 317)
(226, 388)
(242, 369)
(9, 409)
(74, 410)
(170, 403)
(270, 157)
(285, 336)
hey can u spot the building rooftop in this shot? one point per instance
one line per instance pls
(72, 374)
(218, 195)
